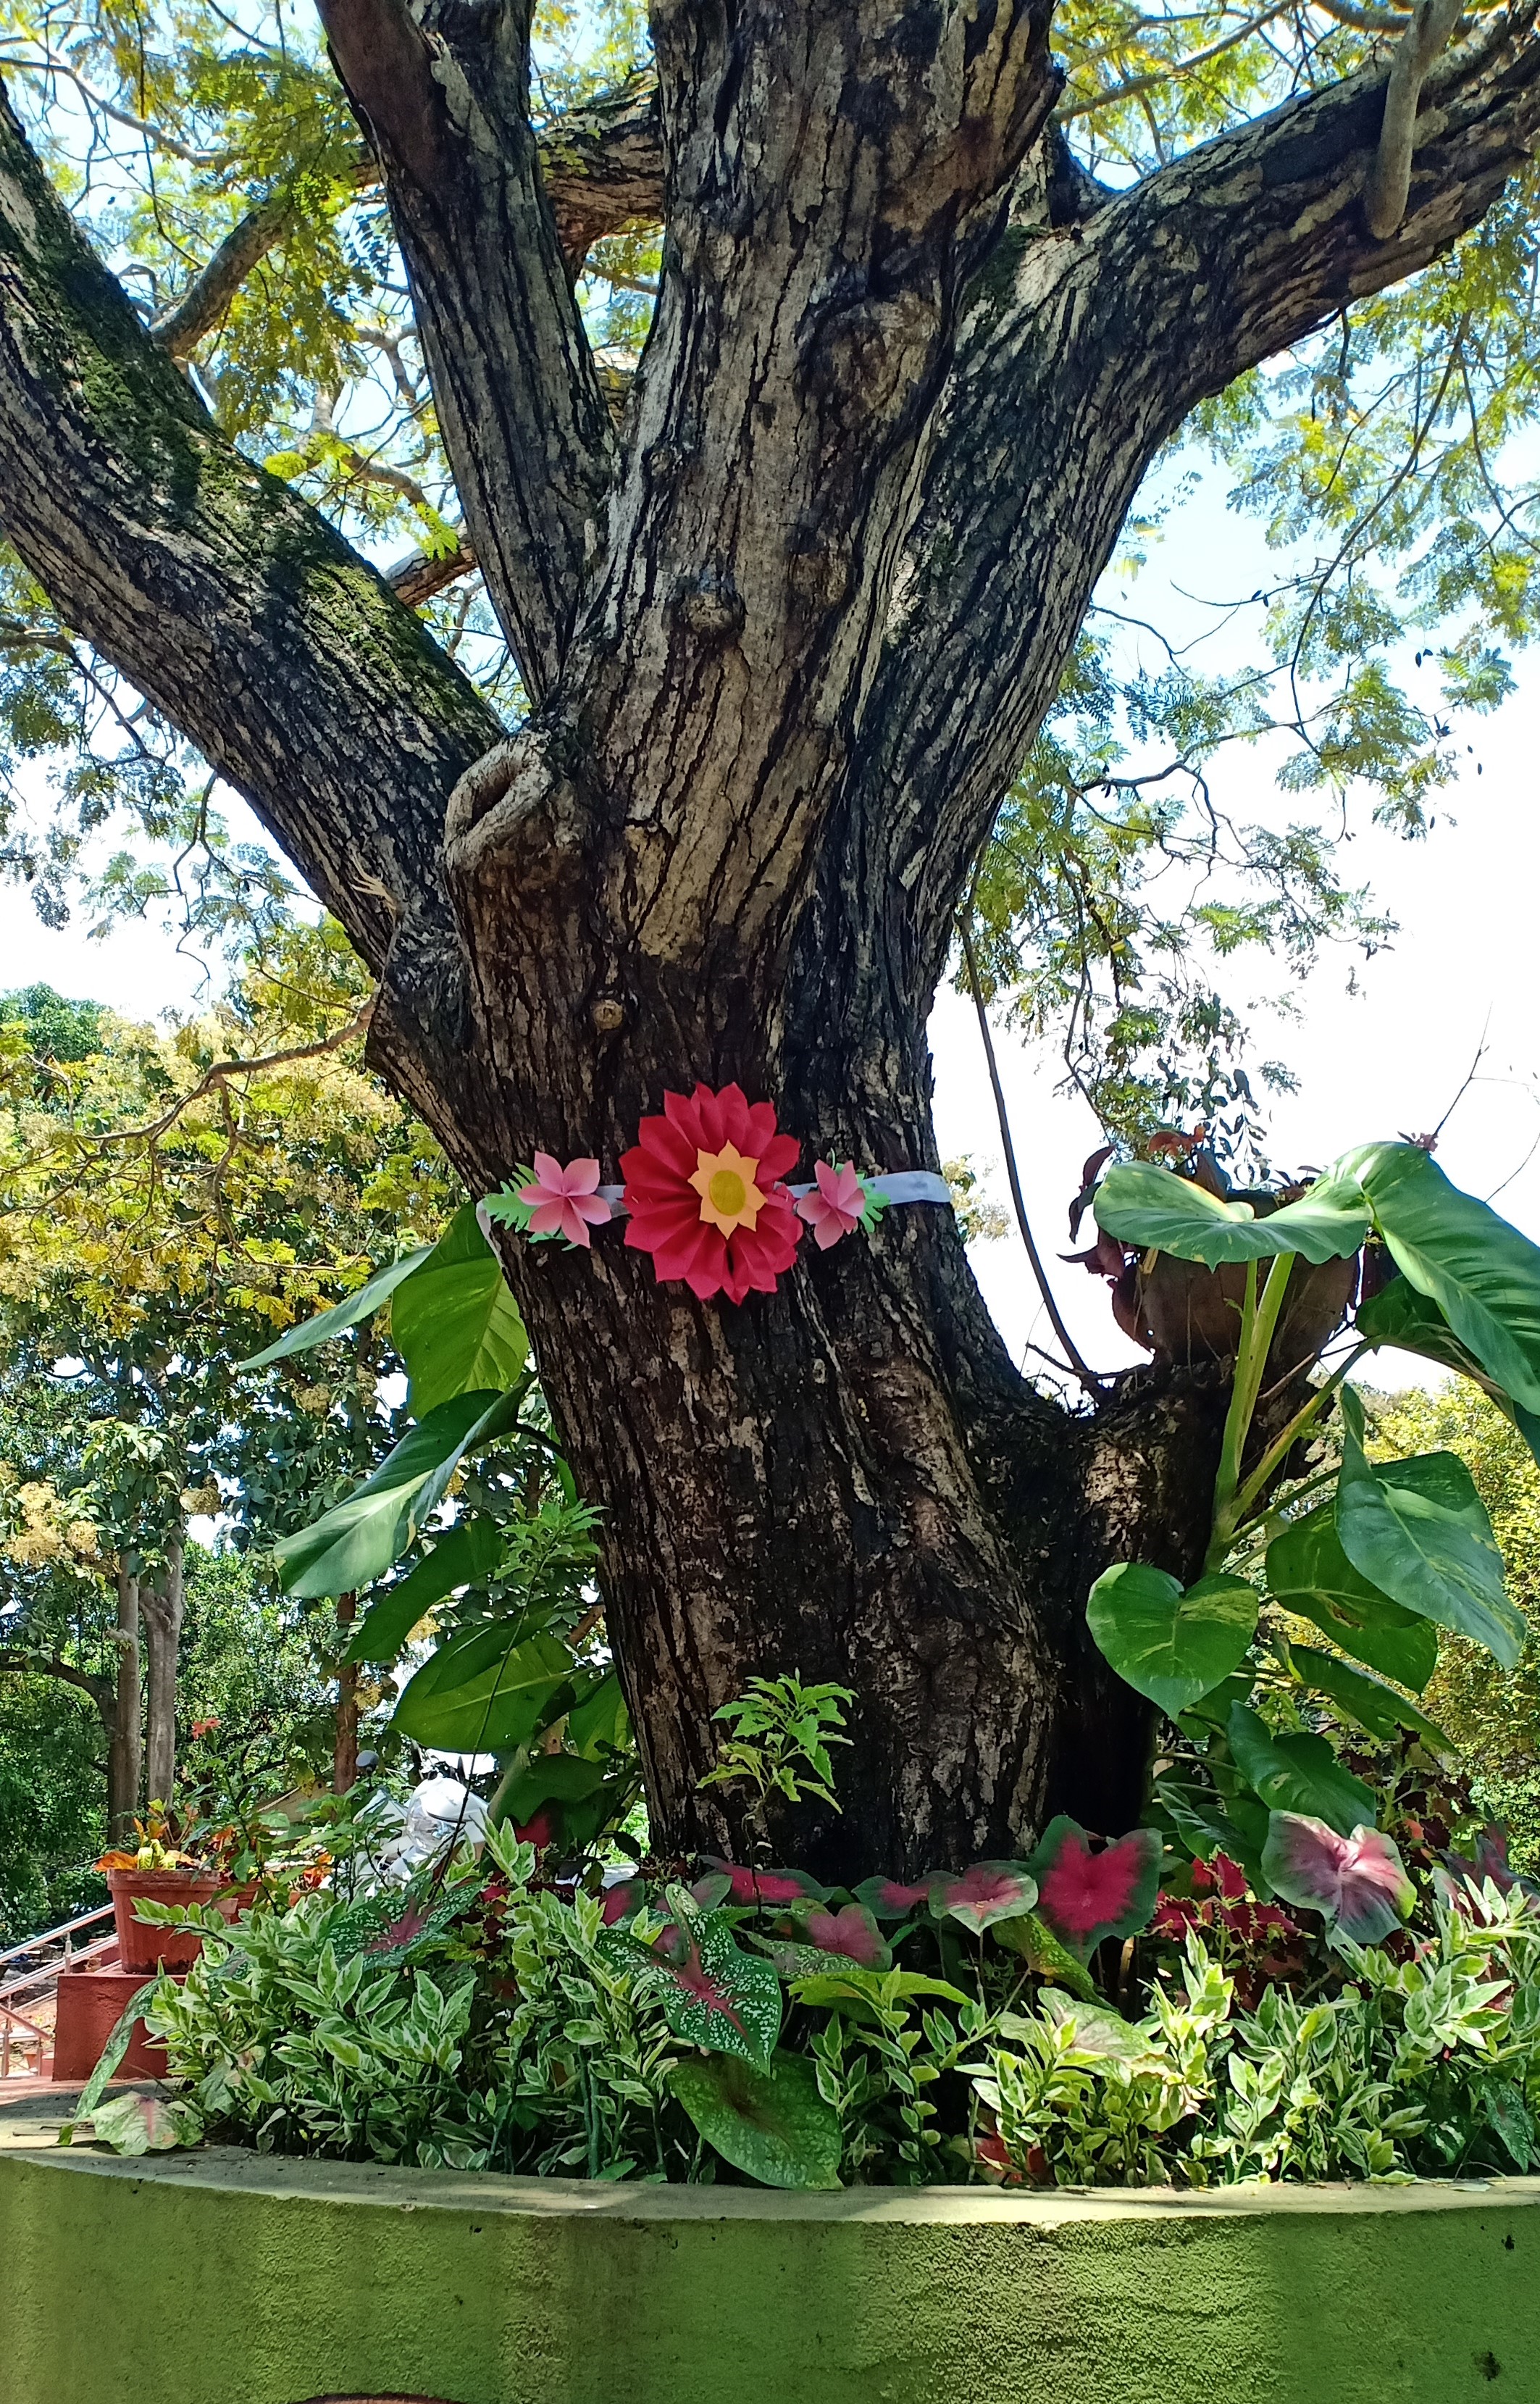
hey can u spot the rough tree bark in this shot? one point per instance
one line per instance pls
(125, 1731)
(787, 639)
(162, 1606)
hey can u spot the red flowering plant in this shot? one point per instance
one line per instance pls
(703, 1187)
(1258, 1944)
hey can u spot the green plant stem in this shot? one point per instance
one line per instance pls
(1284, 1444)
(1258, 1319)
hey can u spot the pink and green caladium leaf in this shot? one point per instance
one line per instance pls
(1357, 1883)
(1170, 1643)
(851, 1931)
(767, 1888)
(771, 2123)
(715, 1995)
(890, 1899)
(988, 1892)
(1086, 1896)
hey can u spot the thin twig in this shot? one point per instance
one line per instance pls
(223, 1071)
(1087, 1377)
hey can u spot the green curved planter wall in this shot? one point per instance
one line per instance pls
(217, 2278)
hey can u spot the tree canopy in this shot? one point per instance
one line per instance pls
(220, 167)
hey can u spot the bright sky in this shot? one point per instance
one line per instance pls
(1386, 1059)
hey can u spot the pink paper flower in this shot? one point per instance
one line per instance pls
(836, 1209)
(564, 1201)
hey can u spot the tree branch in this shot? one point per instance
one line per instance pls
(225, 598)
(602, 167)
(523, 419)
(48, 1665)
(1385, 201)
(1083, 350)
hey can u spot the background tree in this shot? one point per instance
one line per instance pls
(784, 628)
(168, 1197)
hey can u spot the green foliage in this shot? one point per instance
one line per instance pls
(781, 1731)
(1404, 1548)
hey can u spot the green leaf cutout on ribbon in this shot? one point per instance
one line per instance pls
(1481, 1272)
(481, 1692)
(771, 2124)
(1141, 1204)
(1413, 1323)
(1299, 1773)
(1311, 1576)
(1172, 1645)
(1419, 1531)
(1368, 1701)
(343, 1315)
(356, 1542)
(454, 1322)
(461, 1555)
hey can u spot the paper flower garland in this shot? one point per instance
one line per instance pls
(705, 1193)
(564, 1201)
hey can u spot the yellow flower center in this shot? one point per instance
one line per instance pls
(729, 1197)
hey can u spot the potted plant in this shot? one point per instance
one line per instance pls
(158, 1869)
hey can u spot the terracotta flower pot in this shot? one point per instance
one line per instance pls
(1194, 1313)
(144, 1949)
(90, 2003)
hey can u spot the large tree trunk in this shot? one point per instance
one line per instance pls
(161, 1601)
(125, 1741)
(788, 638)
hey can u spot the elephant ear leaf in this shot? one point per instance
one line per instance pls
(771, 2123)
(1481, 1272)
(1171, 1645)
(1086, 1894)
(1142, 1205)
(1297, 1773)
(454, 1321)
(1419, 1531)
(1358, 1882)
(1311, 1576)
(1413, 1323)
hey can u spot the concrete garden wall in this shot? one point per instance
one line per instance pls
(221, 2278)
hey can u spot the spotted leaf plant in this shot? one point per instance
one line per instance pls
(1383, 1557)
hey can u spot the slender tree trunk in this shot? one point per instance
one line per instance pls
(125, 1743)
(344, 1770)
(162, 1603)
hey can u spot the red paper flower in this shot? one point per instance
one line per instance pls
(704, 1191)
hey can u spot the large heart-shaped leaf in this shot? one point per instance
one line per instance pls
(1172, 1645)
(1084, 1895)
(1356, 1881)
(1481, 1272)
(454, 1322)
(359, 1306)
(1298, 1773)
(462, 1554)
(715, 1995)
(1150, 1208)
(355, 1543)
(598, 1723)
(481, 1692)
(1310, 1574)
(1413, 1323)
(551, 1778)
(980, 1896)
(771, 2124)
(1375, 1707)
(1420, 1532)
